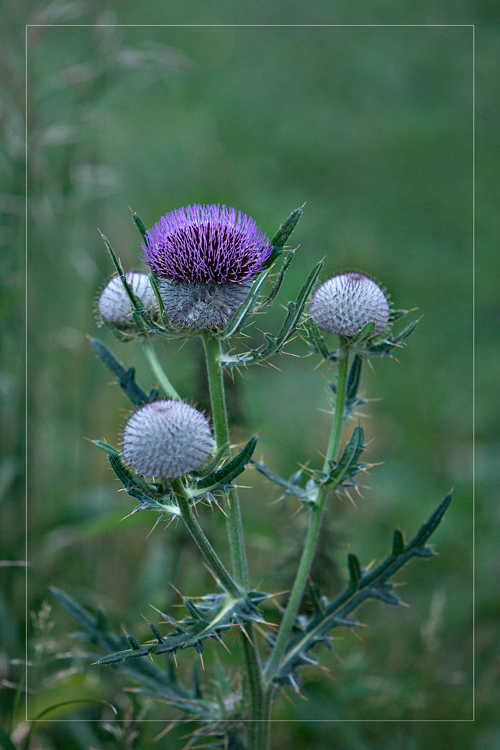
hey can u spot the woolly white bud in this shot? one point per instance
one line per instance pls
(167, 439)
(346, 303)
(114, 303)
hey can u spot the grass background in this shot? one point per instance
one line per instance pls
(372, 127)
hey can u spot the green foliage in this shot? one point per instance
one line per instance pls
(363, 585)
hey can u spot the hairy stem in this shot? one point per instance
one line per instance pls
(251, 655)
(157, 369)
(201, 540)
(221, 431)
(254, 692)
(316, 515)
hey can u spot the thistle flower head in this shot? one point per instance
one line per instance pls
(167, 439)
(204, 258)
(114, 303)
(347, 303)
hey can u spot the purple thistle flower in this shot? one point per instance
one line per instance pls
(346, 303)
(167, 439)
(204, 259)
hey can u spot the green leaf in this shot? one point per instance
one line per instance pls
(385, 347)
(316, 340)
(212, 464)
(385, 595)
(230, 471)
(369, 585)
(397, 314)
(424, 552)
(106, 447)
(364, 334)
(290, 486)
(125, 377)
(245, 309)
(295, 310)
(353, 381)
(348, 464)
(315, 596)
(135, 644)
(283, 234)
(354, 570)
(431, 524)
(405, 332)
(133, 484)
(136, 303)
(139, 224)
(398, 543)
(275, 343)
(77, 612)
(277, 285)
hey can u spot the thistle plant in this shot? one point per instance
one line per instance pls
(208, 267)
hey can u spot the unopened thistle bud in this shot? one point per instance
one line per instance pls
(114, 303)
(167, 439)
(346, 303)
(204, 259)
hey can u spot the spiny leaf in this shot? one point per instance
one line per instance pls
(291, 486)
(398, 543)
(386, 346)
(348, 464)
(353, 380)
(364, 334)
(138, 308)
(135, 644)
(79, 614)
(316, 340)
(230, 471)
(354, 570)
(275, 343)
(431, 524)
(124, 376)
(133, 484)
(369, 585)
(139, 224)
(106, 447)
(277, 285)
(315, 595)
(283, 234)
(155, 631)
(245, 309)
(385, 595)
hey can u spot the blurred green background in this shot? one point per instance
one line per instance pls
(372, 127)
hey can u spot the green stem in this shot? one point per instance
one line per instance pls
(316, 517)
(221, 432)
(157, 369)
(201, 540)
(264, 729)
(338, 418)
(251, 655)
(254, 691)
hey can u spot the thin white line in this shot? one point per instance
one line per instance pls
(26, 358)
(255, 25)
(275, 721)
(472, 26)
(473, 373)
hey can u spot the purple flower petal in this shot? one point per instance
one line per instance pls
(206, 243)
